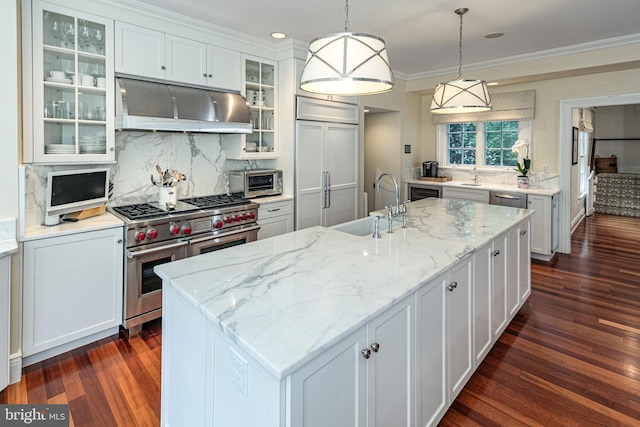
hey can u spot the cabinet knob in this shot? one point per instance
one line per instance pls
(119, 240)
(204, 75)
(452, 286)
(210, 75)
(366, 353)
(523, 232)
(496, 253)
(375, 347)
(163, 68)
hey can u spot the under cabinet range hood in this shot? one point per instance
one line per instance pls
(157, 106)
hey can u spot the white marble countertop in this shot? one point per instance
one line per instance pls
(285, 299)
(8, 243)
(99, 222)
(488, 186)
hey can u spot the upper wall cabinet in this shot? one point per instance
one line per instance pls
(261, 92)
(69, 75)
(149, 53)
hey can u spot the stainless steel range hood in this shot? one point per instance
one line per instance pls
(158, 106)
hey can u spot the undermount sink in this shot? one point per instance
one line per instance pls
(471, 184)
(364, 226)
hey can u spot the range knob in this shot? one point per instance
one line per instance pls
(140, 236)
(228, 220)
(245, 216)
(186, 229)
(237, 218)
(174, 229)
(252, 215)
(152, 233)
(218, 224)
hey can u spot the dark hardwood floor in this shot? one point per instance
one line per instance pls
(571, 357)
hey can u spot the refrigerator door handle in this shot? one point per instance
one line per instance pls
(328, 189)
(324, 190)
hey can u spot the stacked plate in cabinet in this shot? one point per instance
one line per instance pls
(93, 144)
(59, 149)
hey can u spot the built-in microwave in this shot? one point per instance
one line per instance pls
(256, 182)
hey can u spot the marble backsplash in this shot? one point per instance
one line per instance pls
(199, 156)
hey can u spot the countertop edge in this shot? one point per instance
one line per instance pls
(99, 222)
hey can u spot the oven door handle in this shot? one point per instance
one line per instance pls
(132, 255)
(218, 236)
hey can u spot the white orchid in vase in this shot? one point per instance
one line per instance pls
(522, 148)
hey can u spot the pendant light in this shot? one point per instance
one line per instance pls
(347, 64)
(461, 96)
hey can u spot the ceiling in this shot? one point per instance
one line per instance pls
(422, 35)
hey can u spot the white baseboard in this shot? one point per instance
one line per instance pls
(15, 367)
(575, 222)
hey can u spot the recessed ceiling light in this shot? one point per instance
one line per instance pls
(494, 35)
(278, 35)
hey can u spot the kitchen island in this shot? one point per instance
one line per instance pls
(295, 329)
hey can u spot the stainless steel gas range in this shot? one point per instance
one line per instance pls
(157, 235)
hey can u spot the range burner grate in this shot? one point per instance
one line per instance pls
(217, 201)
(140, 211)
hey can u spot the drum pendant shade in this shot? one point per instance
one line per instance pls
(347, 64)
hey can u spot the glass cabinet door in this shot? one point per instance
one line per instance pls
(73, 87)
(260, 86)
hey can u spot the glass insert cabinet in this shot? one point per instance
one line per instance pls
(72, 84)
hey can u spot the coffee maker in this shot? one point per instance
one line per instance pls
(430, 169)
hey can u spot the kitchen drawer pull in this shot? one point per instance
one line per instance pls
(273, 210)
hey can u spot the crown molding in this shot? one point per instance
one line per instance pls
(543, 54)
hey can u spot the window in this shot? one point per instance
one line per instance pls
(482, 144)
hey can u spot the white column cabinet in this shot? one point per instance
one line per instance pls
(62, 304)
(540, 224)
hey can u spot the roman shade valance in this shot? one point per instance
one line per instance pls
(506, 106)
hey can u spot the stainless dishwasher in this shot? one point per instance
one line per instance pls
(505, 198)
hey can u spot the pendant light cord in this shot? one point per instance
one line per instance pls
(346, 16)
(460, 12)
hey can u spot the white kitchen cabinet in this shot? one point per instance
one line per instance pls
(139, 51)
(148, 53)
(524, 257)
(431, 354)
(513, 260)
(72, 288)
(275, 218)
(483, 281)
(499, 286)
(372, 370)
(325, 173)
(69, 117)
(459, 327)
(541, 224)
(261, 92)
